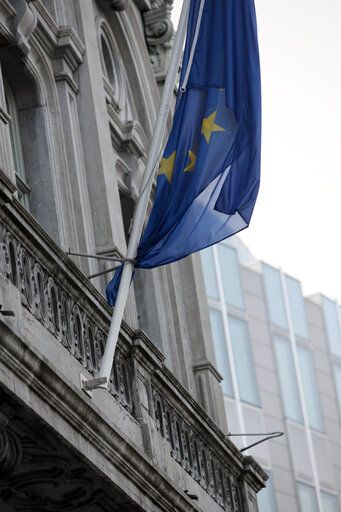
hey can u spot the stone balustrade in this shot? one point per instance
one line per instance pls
(63, 301)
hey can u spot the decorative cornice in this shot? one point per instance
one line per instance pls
(207, 366)
(61, 43)
(69, 47)
(67, 56)
(128, 136)
(254, 474)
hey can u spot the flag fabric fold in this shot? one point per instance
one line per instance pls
(208, 179)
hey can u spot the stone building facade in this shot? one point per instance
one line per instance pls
(79, 93)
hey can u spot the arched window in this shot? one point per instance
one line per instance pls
(17, 147)
(109, 64)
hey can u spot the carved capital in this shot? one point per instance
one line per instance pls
(159, 33)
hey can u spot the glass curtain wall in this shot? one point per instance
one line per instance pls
(230, 333)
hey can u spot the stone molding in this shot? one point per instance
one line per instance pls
(68, 55)
(206, 365)
(62, 43)
(24, 24)
(127, 136)
(7, 188)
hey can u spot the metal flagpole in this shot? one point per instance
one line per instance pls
(103, 376)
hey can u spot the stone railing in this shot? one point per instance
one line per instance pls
(60, 297)
(193, 452)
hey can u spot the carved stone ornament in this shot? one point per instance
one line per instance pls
(24, 24)
(60, 314)
(159, 37)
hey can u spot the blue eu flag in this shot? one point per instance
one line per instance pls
(208, 178)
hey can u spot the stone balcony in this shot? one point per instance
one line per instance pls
(146, 444)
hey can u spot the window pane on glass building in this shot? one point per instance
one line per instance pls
(332, 326)
(243, 361)
(297, 308)
(310, 389)
(329, 502)
(337, 377)
(230, 276)
(274, 296)
(221, 354)
(266, 497)
(210, 277)
(287, 379)
(307, 497)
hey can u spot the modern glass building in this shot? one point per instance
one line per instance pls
(279, 355)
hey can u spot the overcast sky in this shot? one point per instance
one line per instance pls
(296, 221)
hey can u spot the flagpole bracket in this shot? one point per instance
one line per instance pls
(88, 385)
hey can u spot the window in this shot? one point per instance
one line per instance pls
(243, 361)
(274, 296)
(337, 377)
(114, 84)
(221, 353)
(332, 325)
(209, 271)
(307, 498)
(266, 497)
(329, 502)
(108, 62)
(230, 276)
(287, 379)
(297, 309)
(127, 208)
(310, 388)
(17, 147)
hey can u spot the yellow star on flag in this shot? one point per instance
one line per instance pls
(208, 126)
(167, 167)
(191, 165)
